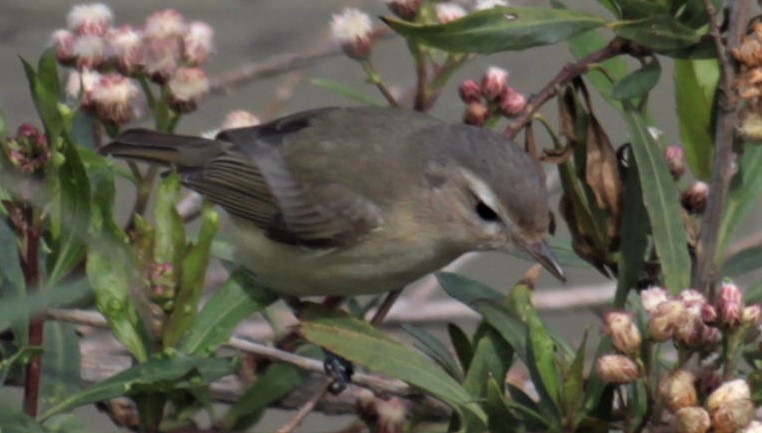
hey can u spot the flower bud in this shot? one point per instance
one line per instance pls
(675, 161)
(751, 316)
(690, 330)
(665, 319)
(186, 87)
(165, 24)
(80, 85)
(239, 119)
(652, 297)
(28, 151)
(489, 4)
(448, 12)
(692, 420)
(90, 19)
(476, 114)
(160, 58)
(352, 30)
(678, 391)
(616, 368)
(198, 42)
(512, 103)
(625, 335)
(729, 305)
(89, 51)
(124, 46)
(405, 9)
(63, 42)
(710, 337)
(708, 314)
(113, 97)
(730, 406)
(692, 298)
(494, 82)
(470, 91)
(694, 198)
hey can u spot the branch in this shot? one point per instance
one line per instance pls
(568, 73)
(723, 166)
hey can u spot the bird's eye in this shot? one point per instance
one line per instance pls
(485, 212)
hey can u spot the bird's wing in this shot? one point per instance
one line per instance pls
(253, 182)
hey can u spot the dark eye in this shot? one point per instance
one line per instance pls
(485, 212)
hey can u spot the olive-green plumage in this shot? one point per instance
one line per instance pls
(344, 201)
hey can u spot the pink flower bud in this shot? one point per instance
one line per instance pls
(80, 85)
(90, 51)
(186, 87)
(694, 198)
(448, 12)
(710, 338)
(90, 19)
(239, 119)
(405, 9)
(678, 390)
(690, 330)
(625, 335)
(470, 91)
(675, 161)
(352, 30)
(729, 305)
(476, 114)
(198, 42)
(652, 297)
(124, 47)
(692, 420)
(165, 24)
(730, 406)
(751, 316)
(666, 318)
(708, 314)
(28, 151)
(512, 103)
(63, 42)
(113, 98)
(160, 57)
(692, 298)
(616, 368)
(494, 82)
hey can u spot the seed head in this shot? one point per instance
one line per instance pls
(625, 335)
(692, 420)
(352, 30)
(616, 368)
(198, 42)
(186, 87)
(678, 390)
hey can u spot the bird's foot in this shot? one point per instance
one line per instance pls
(340, 370)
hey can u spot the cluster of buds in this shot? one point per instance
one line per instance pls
(492, 97)
(162, 281)
(353, 30)
(694, 197)
(749, 82)
(405, 9)
(168, 50)
(728, 409)
(681, 318)
(625, 337)
(28, 151)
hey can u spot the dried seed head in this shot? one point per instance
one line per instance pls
(90, 19)
(186, 87)
(124, 46)
(113, 98)
(692, 420)
(198, 42)
(352, 30)
(616, 368)
(89, 51)
(165, 24)
(160, 57)
(678, 390)
(625, 335)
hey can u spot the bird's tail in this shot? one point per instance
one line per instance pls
(166, 149)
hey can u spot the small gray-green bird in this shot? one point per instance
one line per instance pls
(349, 201)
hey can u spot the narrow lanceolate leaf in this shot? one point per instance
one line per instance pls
(661, 200)
(434, 349)
(359, 342)
(661, 33)
(61, 369)
(499, 29)
(346, 91)
(744, 261)
(633, 232)
(638, 83)
(12, 284)
(695, 86)
(613, 69)
(238, 298)
(156, 375)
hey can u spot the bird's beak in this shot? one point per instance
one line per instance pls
(542, 253)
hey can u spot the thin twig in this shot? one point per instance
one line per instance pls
(31, 269)
(305, 410)
(723, 166)
(569, 72)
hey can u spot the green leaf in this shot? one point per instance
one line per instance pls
(61, 367)
(695, 86)
(12, 283)
(191, 286)
(635, 9)
(346, 91)
(169, 241)
(661, 200)
(747, 260)
(507, 323)
(155, 375)
(45, 88)
(501, 418)
(744, 195)
(638, 83)
(16, 308)
(20, 357)
(13, 421)
(542, 366)
(754, 292)
(70, 216)
(499, 29)
(235, 300)
(462, 345)
(363, 344)
(573, 385)
(661, 33)
(434, 349)
(465, 289)
(633, 232)
(527, 409)
(276, 382)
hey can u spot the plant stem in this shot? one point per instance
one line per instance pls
(375, 78)
(31, 269)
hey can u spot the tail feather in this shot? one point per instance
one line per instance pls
(176, 150)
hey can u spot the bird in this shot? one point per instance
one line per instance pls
(344, 201)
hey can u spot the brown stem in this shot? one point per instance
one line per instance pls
(421, 83)
(31, 268)
(705, 271)
(569, 72)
